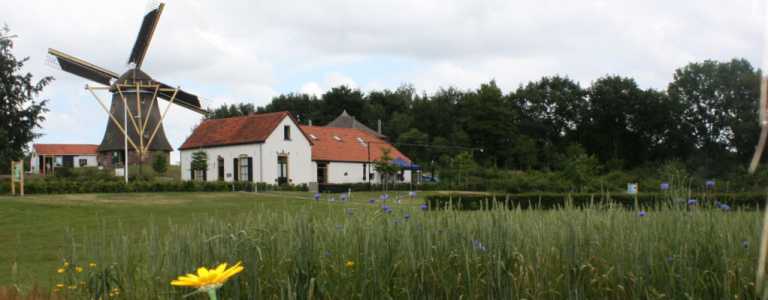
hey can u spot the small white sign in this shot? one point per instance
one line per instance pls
(119, 172)
(632, 188)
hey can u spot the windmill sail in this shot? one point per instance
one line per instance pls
(183, 99)
(148, 26)
(82, 68)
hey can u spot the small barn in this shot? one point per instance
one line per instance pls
(45, 158)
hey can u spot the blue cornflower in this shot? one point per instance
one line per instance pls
(317, 196)
(424, 207)
(412, 194)
(372, 201)
(327, 253)
(386, 208)
(710, 183)
(642, 213)
(693, 202)
(407, 216)
(664, 186)
(478, 245)
(343, 197)
(725, 207)
(384, 197)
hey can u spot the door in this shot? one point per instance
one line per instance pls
(322, 172)
(220, 164)
(282, 170)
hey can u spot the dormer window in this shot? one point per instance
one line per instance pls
(287, 133)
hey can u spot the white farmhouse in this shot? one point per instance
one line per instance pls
(272, 148)
(45, 158)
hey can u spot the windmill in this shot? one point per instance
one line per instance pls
(138, 131)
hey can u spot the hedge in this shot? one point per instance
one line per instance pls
(469, 201)
(71, 187)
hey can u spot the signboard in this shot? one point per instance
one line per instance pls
(17, 168)
(632, 188)
(119, 172)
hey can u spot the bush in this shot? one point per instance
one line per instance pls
(468, 201)
(160, 164)
(70, 186)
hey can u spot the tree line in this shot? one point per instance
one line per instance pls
(706, 117)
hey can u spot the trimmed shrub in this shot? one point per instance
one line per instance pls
(468, 201)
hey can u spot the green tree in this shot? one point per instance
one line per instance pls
(414, 144)
(720, 101)
(489, 122)
(20, 113)
(160, 164)
(579, 167)
(385, 168)
(199, 160)
(232, 110)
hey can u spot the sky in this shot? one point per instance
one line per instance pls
(249, 51)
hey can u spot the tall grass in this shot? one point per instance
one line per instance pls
(593, 253)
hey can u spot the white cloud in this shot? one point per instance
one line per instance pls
(244, 50)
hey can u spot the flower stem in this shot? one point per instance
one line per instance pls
(212, 294)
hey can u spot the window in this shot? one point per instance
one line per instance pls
(82, 162)
(336, 137)
(287, 132)
(199, 175)
(243, 162)
(312, 136)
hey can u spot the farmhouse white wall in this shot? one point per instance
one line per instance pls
(264, 155)
(34, 161)
(352, 172)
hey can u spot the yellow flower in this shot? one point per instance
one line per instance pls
(350, 264)
(207, 279)
(60, 270)
(60, 285)
(92, 264)
(66, 264)
(72, 287)
(78, 269)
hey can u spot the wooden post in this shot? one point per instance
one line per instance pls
(13, 178)
(21, 186)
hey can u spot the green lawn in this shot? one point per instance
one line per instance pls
(37, 228)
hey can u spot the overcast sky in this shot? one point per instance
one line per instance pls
(249, 51)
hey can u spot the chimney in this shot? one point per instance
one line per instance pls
(379, 126)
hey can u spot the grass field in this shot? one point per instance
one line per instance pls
(295, 247)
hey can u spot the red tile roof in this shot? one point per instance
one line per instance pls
(65, 149)
(347, 147)
(254, 128)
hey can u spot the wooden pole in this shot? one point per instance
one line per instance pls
(13, 178)
(21, 187)
(104, 107)
(157, 126)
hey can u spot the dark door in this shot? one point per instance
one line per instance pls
(220, 163)
(68, 161)
(282, 170)
(322, 172)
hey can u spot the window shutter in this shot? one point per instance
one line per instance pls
(236, 171)
(205, 175)
(192, 174)
(250, 169)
